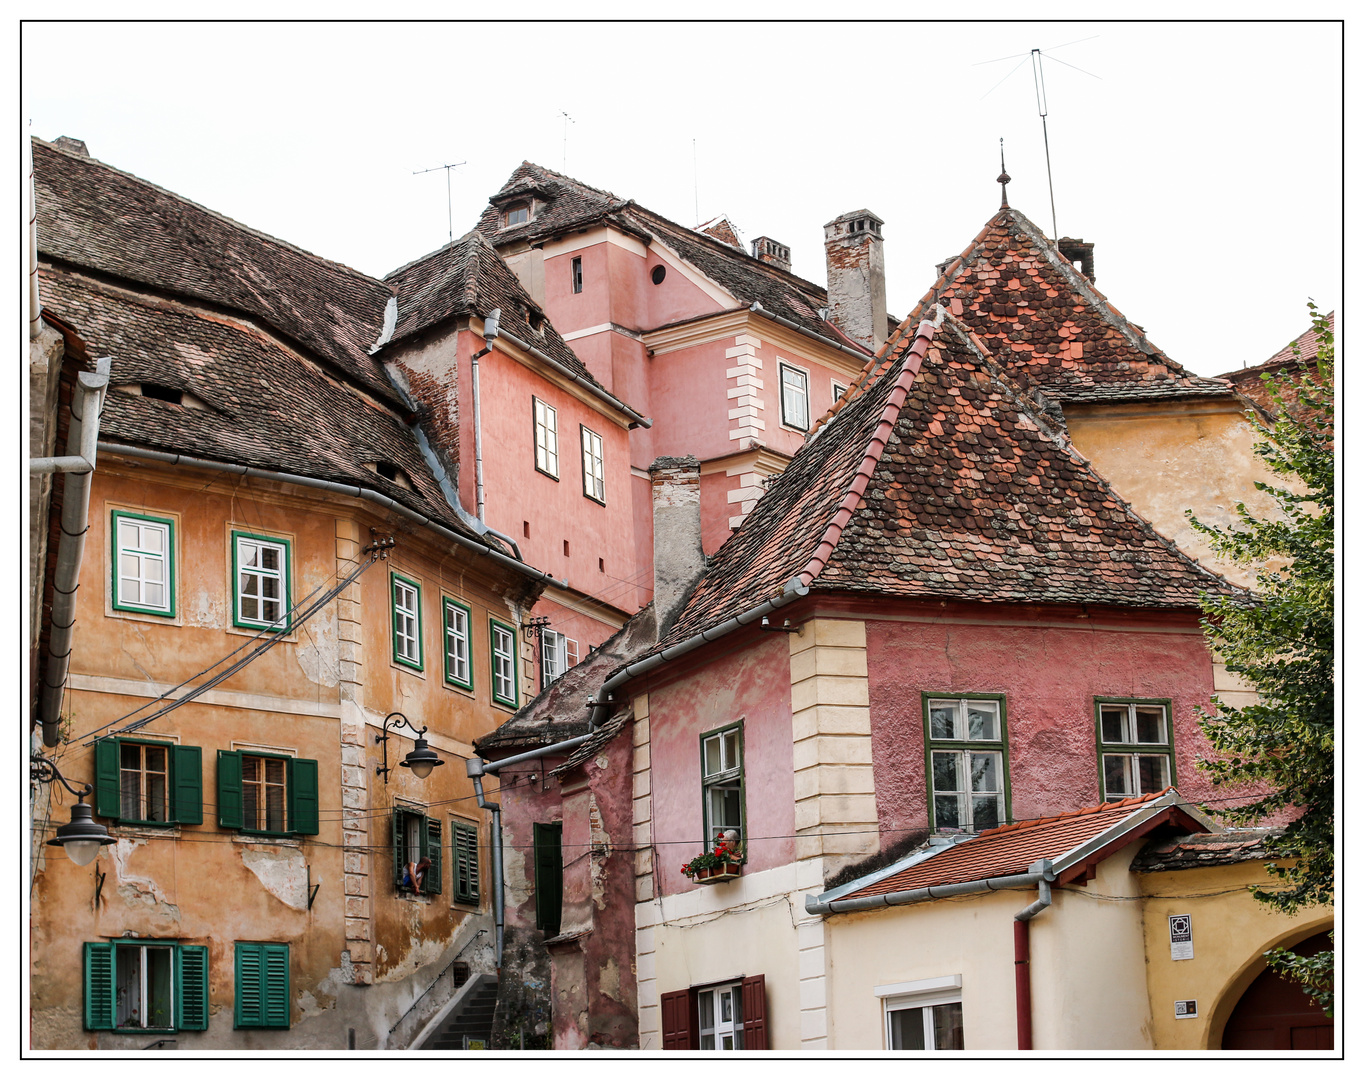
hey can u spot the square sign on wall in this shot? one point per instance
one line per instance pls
(1181, 937)
(1186, 1010)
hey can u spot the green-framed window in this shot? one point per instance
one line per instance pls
(141, 782)
(459, 667)
(1136, 746)
(722, 782)
(407, 621)
(545, 418)
(967, 757)
(548, 844)
(143, 563)
(267, 793)
(416, 837)
(503, 640)
(594, 465)
(261, 976)
(464, 864)
(261, 586)
(145, 986)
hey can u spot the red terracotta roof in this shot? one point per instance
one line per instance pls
(1249, 382)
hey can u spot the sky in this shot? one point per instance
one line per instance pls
(1203, 160)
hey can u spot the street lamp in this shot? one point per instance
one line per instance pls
(83, 836)
(421, 760)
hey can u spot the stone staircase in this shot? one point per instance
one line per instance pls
(473, 1018)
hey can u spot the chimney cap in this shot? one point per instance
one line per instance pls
(74, 146)
(851, 214)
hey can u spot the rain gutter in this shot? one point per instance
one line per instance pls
(758, 309)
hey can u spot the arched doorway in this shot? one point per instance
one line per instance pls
(1275, 1014)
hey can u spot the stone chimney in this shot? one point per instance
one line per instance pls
(857, 277)
(1079, 253)
(75, 146)
(678, 557)
(769, 251)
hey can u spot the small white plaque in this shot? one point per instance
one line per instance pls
(1181, 937)
(1186, 1010)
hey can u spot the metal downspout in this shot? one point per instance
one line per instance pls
(474, 768)
(1023, 954)
(35, 307)
(489, 333)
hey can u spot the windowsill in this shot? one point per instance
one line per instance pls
(267, 838)
(421, 898)
(146, 832)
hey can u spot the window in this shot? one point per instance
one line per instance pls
(144, 563)
(458, 669)
(148, 783)
(517, 214)
(725, 1016)
(261, 974)
(720, 1021)
(722, 782)
(267, 793)
(145, 986)
(923, 1015)
(504, 663)
(795, 398)
(838, 388)
(577, 274)
(546, 438)
(1136, 753)
(416, 837)
(464, 864)
(260, 575)
(548, 842)
(594, 470)
(968, 759)
(558, 653)
(407, 622)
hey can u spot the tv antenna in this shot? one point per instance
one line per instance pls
(449, 204)
(695, 186)
(567, 120)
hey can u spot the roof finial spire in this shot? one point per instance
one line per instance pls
(1003, 179)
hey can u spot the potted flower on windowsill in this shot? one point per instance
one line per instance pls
(723, 862)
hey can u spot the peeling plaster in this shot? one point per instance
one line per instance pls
(284, 875)
(317, 654)
(138, 891)
(207, 608)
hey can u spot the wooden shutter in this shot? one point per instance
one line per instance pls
(398, 859)
(247, 990)
(303, 796)
(191, 988)
(549, 876)
(755, 1013)
(106, 779)
(431, 883)
(99, 982)
(276, 996)
(676, 1015)
(229, 789)
(262, 991)
(464, 847)
(187, 776)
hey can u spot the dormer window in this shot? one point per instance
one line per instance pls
(516, 214)
(390, 472)
(161, 392)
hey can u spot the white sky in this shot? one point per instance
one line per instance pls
(1204, 162)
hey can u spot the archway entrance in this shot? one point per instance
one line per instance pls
(1275, 1014)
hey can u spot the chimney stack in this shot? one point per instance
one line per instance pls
(769, 251)
(1080, 254)
(857, 277)
(678, 556)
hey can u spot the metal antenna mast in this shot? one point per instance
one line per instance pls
(695, 186)
(449, 204)
(567, 120)
(1040, 87)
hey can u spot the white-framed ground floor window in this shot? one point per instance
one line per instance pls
(923, 1015)
(720, 1016)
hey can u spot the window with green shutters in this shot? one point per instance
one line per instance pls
(145, 986)
(548, 840)
(142, 782)
(267, 793)
(416, 837)
(261, 976)
(464, 864)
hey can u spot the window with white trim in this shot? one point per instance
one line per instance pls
(722, 782)
(407, 622)
(719, 1017)
(795, 397)
(837, 388)
(923, 1015)
(260, 581)
(459, 670)
(576, 272)
(503, 639)
(1136, 751)
(558, 653)
(546, 438)
(144, 563)
(968, 762)
(594, 468)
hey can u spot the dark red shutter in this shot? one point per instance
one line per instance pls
(676, 1010)
(755, 1014)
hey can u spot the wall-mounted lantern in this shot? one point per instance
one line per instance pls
(421, 760)
(83, 836)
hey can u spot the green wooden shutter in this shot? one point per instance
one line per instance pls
(247, 977)
(276, 997)
(398, 849)
(431, 883)
(99, 984)
(106, 779)
(229, 789)
(549, 876)
(303, 796)
(262, 975)
(187, 773)
(464, 846)
(191, 988)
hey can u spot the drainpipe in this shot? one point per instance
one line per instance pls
(489, 335)
(1023, 953)
(35, 307)
(474, 768)
(82, 441)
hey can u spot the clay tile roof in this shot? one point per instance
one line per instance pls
(722, 229)
(565, 204)
(1249, 382)
(96, 217)
(1067, 840)
(942, 479)
(1197, 850)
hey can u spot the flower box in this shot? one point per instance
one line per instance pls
(724, 862)
(711, 875)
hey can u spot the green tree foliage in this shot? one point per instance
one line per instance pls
(1284, 645)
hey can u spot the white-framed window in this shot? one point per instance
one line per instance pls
(144, 563)
(795, 397)
(1136, 749)
(594, 469)
(558, 653)
(722, 782)
(719, 1014)
(837, 388)
(407, 622)
(546, 438)
(923, 1015)
(968, 762)
(260, 581)
(576, 271)
(458, 669)
(503, 639)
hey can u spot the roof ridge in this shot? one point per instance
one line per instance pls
(429, 255)
(564, 177)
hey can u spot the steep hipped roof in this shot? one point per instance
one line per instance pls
(951, 484)
(96, 217)
(1049, 325)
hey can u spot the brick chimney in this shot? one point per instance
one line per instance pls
(769, 251)
(857, 277)
(1079, 253)
(678, 557)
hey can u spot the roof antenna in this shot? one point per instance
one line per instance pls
(449, 205)
(1003, 179)
(695, 186)
(567, 120)
(1040, 88)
